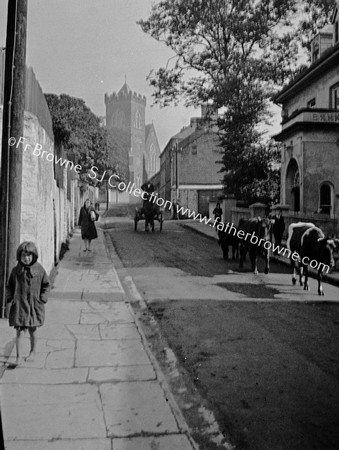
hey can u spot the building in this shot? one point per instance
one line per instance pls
(126, 120)
(310, 130)
(189, 168)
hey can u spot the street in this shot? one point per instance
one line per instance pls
(259, 353)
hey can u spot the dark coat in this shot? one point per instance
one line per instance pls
(26, 295)
(88, 230)
(278, 228)
(217, 212)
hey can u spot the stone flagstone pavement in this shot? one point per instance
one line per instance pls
(92, 385)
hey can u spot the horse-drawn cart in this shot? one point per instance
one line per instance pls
(150, 213)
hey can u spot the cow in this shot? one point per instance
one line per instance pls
(255, 232)
(308, 243)
(226, 240)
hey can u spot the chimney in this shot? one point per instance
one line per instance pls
(321, 42)
(209, 112)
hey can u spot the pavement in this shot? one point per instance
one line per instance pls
(209, 231)
(94, 384)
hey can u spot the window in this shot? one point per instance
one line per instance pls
(137, 121)
(334, 96)
(325, 199)
(336, 32)
(311, 103)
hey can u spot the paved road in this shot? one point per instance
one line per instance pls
(259, 353)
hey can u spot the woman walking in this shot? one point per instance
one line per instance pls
(87, 218)
(26, 295)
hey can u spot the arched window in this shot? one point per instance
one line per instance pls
(293, 185)
(325, 198)
(137, 121)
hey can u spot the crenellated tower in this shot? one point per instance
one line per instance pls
(125, 116)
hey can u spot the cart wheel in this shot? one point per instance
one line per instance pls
(135, 224)
(161, 221)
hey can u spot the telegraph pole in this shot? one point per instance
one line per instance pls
(12, 127)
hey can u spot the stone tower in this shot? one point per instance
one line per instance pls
(125, 116)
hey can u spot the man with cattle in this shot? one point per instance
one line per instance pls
(250, 235)
(306, 245)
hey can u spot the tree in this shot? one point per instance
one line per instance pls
(83, 136)
(230, 52)
(315, 14)
(259, 170)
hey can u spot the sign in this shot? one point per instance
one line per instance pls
(323, 117)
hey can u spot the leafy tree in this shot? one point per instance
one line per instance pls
(315, 14)
(82, 135)
(259, 170)
(231, 52)
(235, 53)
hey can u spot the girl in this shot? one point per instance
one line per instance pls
(86, 222)
(26, 295)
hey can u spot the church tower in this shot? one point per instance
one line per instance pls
(125, 116)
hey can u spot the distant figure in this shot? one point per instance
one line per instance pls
(26, 295)
(87, 217)
(217, 211)
(278, 226)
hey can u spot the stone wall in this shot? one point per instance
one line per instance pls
(48, 214)
(37, 193)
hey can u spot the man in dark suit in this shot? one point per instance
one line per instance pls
(278, 226)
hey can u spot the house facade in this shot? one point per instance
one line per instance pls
(310, 130)
(189, 168)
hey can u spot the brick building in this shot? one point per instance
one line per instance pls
(125, 118)
(189, 171)
(310, 130)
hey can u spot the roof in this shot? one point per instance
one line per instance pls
(327, 60)
(125, 89)
(148, 128)
(183, 133)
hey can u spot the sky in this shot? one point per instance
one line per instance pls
(86, 48)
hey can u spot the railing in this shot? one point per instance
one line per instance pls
(328, 225)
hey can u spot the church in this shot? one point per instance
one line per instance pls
(138, 142)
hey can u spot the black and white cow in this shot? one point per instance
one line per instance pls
(308, 244)
(255, 232)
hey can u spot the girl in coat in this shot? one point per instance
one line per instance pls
(87, 218)
(26, 295)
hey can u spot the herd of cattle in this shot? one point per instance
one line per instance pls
(304, 239)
